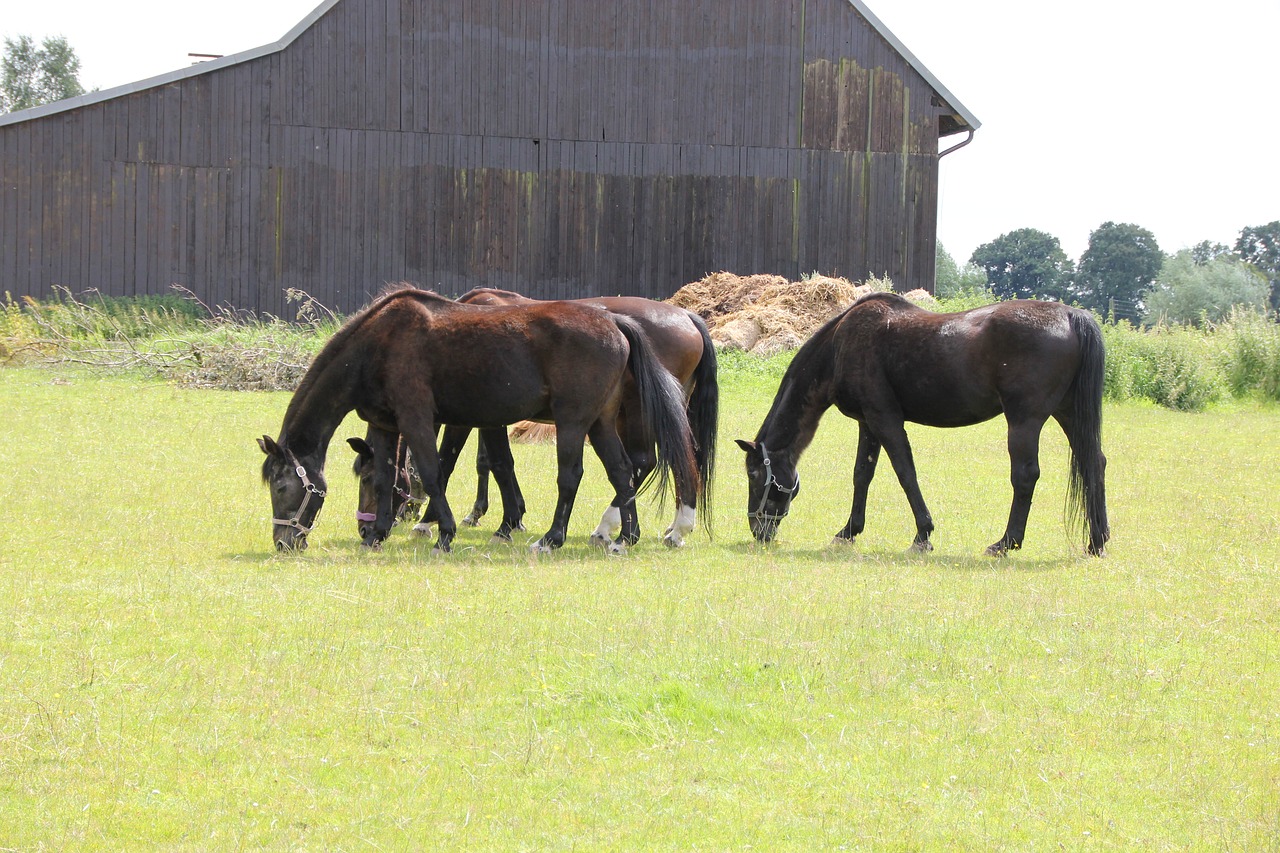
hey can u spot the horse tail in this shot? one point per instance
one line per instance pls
(1086, 490)
(704, 416)
(662, 411)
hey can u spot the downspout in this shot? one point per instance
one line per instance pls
(957, 146)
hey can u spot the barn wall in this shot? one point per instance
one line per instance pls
(560, 148)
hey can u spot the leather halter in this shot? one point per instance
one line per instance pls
(759, 512)
(310, 489)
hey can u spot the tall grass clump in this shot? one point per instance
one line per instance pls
(174, 337)
(1172, 366)
(1248, 344)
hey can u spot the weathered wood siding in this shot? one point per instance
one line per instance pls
(556, 147)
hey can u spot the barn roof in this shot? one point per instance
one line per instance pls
(960, 120)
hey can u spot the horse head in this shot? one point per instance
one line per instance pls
(772, 483)
(406, 487)
(297, 494)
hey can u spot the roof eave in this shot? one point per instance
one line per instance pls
(959, 119)
(206, 67)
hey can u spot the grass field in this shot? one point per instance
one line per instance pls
(168, 682)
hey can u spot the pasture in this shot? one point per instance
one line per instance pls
(167, 681)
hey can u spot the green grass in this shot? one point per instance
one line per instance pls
(167, 682)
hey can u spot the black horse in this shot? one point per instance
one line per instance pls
(884, 362)
(414, 359)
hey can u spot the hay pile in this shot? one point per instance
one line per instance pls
(766, 314)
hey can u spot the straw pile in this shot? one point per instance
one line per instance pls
(766, 314)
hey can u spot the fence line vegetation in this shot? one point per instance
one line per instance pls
(179, 339)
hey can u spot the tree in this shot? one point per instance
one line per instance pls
(951, 280)
(1025, 264)
(1260, 248)
(1192, 293)
(31, 76)
(1120, 264)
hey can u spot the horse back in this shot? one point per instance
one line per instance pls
(961, 368)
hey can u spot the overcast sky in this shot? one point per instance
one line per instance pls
(1091, 111)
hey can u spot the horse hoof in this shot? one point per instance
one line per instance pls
(371, 546)
(672, 540)
(470, 521)
(842, 541)
(617, 549)
(997, 550)
(441, 549)
(423, 529)
(599, 540)
(540, 547)
(922, 547)
(499, 539)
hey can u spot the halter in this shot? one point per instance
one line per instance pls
(770, 480)
(311, 489)
(406, 496)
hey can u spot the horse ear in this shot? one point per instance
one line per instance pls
(269, 447)
(749, 447)
(360, 446)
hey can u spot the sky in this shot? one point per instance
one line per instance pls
(1092, 111)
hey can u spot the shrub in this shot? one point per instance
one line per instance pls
(1249, 353)
(1176, 370)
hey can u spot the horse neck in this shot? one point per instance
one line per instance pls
(318, 407)
(804, 394)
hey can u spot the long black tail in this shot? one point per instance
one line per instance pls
(704, 416)
(662, 413)
(1086, 490)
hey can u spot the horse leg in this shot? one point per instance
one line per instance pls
(422, 443)
(618, 467)
(1024, 471)
(386, 462)
(497, 451)
(569, 457)
(893, 437)
(481, 505)
(864, 469)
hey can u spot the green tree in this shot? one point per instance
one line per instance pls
(31, 76)
(1120, 264)
(1025, 264)
(1259, 246)
(951, 280)
(1192, 293)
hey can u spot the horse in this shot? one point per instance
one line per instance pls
(683, 345)
(413, 359)
(408, 496)
(884, 361)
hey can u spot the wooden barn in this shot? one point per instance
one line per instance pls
(560, 148)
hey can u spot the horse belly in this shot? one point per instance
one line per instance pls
(489, 401)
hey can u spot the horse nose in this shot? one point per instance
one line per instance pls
(280, 545)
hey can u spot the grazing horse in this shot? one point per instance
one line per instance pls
(884, 361)
(413, 359)
(408, 496)
(683, 345)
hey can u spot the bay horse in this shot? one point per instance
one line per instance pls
(413, 359)
(683, 345)
(884, 361)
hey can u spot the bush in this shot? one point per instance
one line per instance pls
(1249, 353)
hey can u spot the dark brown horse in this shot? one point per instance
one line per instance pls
(683, 345)
(408, 496)
(413, 359)
(884, 362)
